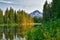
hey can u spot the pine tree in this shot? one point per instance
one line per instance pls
(15, 20)
(1, 16)
(47, 11)
(19, 22)
(11, 15)
(6, 22)
(56, 8)
(15, 17)
(12, 22)
(1, 23)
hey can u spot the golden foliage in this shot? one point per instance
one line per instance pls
(24, 21)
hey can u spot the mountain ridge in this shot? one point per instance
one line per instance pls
(36, 13)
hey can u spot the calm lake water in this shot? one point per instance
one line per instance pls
(14, 32)
(15, 38)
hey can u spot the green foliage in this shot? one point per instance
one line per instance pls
(1, 16)
(14, 23)
(47, 11)
(34, 34)
(37, 20)
(1, 23)
(53, 28)
(23, 22)
(56, 8)
(50, 30)
(11, 15)
(51, 11)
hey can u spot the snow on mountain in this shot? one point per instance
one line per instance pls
(36, 13)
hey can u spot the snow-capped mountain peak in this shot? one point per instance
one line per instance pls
(36, 13)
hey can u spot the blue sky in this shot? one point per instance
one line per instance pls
(27, 5)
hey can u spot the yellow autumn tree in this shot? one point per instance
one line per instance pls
(27, 21)
(24, 21)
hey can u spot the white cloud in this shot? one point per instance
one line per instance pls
(8, 2)
(27, 5)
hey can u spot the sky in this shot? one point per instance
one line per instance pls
(26, 5)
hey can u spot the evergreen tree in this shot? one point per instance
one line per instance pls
(1, 16)
(19, 22)
(6, 22)
(47, 12)
(37, 20)
(12, 22)
(11, 15)
(15, 20)
(1, 23)
(6, 16)
(56, 8)
(15, 17)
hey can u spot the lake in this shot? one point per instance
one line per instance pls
(15, 38)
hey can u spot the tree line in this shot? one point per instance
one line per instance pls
(52, 10)
(14, 23)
